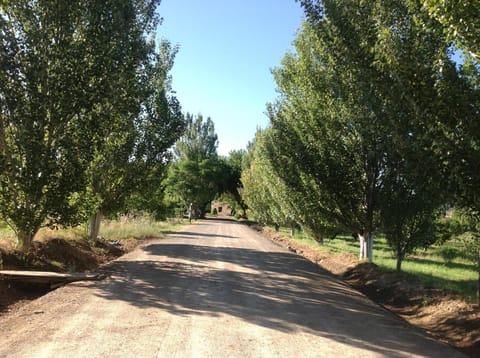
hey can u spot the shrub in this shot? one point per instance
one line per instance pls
(449, 253)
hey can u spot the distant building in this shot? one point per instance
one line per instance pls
(221, 209)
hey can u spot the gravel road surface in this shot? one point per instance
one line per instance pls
(215, 289)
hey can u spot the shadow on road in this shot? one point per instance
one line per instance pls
(277, 290)
(187, 234)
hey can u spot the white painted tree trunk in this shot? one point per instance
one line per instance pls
(366, 246)
(370, 247)
(94, 225)
(363, 247)
(478, 282)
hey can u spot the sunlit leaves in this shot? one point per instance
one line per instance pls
(362, 106)
(461, 20)
(85, 108)
(197, 175)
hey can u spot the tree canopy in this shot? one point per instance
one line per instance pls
(461, 20)
(359, 128)
(198, 174)
(84, 104)
(199, 141)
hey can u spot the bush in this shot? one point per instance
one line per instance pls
(449, 253)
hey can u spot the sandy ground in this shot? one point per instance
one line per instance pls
(215, 289)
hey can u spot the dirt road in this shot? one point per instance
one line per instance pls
(216, 289)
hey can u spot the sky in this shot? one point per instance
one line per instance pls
(227, 49)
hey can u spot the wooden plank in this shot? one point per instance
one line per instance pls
(47, 277)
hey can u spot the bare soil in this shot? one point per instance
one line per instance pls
(52, 254)
(214, 288)
(443, 315)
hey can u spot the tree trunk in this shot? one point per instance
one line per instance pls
(319, 238)
(190, 212)
(363, 247)
(399, 262)
(400, 257)
(292, 229)
(24, 240)
(94, 225)
(244, 211)
(370, 247)
(277, 227)
(478, 283)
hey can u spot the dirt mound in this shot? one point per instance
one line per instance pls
(51, 254)
(14, 294)
(337, 264)
(442, 314)
(386, 288)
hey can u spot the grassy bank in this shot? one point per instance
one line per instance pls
(439, 267)
(138, 228)
(68, 250)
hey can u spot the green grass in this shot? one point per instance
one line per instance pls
(440, 267)
(6, 233)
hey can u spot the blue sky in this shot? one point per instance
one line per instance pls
(227, 49)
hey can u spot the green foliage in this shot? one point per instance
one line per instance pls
(462, 226)
(461, 20)
(159, 125)
(199, 141)
(232, 185)
(45, 121)
(131, 152)
(449, 253)
(85, 109)
(430, 268)
(357, 122)
(326, 148)
(258, 191)
(198, 175)
(194, 182)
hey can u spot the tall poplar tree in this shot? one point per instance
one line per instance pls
(460, 138)
(264, 192)
(461, 21)
(197, 174)
(46, 104)
(356, 113)
(79, 82)
(199, 140)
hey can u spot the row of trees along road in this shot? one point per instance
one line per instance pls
(376, 127)
(86, 117)
(198, 174)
